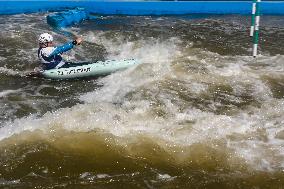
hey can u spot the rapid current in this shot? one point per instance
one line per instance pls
(199, 112)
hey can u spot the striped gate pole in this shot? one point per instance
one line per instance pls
(252, 18)
(256, 28)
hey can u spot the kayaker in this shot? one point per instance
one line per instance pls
(50, 55)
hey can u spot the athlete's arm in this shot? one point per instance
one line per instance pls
(66, 47)
(61, 49)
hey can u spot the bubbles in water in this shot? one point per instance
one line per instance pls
(179, 97)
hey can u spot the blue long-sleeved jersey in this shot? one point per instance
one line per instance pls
(50, 57)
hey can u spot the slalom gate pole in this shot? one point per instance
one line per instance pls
(252, 18)
(256, 28)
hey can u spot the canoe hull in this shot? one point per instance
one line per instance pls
(90, 70)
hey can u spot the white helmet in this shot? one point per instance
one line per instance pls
(45, 38)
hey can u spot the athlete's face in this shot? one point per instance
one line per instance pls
(43, 45)
(50, 44)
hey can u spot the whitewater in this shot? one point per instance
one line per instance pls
(198, 112)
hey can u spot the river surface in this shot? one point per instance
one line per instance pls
(199, 112)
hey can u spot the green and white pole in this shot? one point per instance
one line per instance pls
(256, 28)
(252, 18)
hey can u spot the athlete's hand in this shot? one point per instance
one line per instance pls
(79, 40)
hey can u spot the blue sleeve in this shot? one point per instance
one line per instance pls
(61, 49)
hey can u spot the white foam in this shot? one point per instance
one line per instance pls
(165, 177)
(131, 118)
(9, 71)
(125, 105)
(12, 72)
(101, 176)
(206, 126)
(159, 55)
(7, 92)
(2, 58)
(147, 51)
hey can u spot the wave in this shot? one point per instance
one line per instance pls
(185, 113)
(7, 92)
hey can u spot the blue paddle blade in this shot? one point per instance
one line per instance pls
(67, 18)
